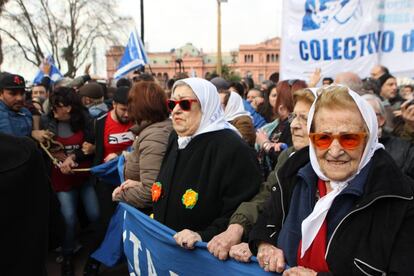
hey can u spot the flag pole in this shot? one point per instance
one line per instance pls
(218, 65)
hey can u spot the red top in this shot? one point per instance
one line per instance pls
(314, 257)
(117, 136)
(65, 182)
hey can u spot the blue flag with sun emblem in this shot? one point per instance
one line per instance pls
(134, 56)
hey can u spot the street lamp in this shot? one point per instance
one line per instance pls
(142, 20)
(218, 65)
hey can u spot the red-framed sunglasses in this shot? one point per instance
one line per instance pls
(184, 104)
(346, 140)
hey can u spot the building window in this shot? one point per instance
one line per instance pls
(154, 62)
(277, 58)
(248, 58)
(267, 58)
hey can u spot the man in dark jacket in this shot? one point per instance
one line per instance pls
(15, 119)
(24, 205)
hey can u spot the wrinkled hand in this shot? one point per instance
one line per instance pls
(270, 258)
(241, 252)
(88, 148)
(314, 78)
(187, 238)
(397, 113)
(220, 245)
(407, 112)
(116, 194)
(129, 183)
(67, 165)
(110, 156)
(299, 271)
(261, 137)
(42, 135)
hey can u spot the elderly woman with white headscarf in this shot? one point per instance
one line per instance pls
(235, 114)
(350, 210)
(207, 170)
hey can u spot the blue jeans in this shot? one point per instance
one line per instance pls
(68, 207)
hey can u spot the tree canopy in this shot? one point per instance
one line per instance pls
(67, 29)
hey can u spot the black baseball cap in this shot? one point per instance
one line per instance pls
(12, 81)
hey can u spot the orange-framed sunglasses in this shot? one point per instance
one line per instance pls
(346, 140)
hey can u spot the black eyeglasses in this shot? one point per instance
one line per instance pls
(184, 104)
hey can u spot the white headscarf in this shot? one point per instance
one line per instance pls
(212, 118)
(235, 107)
(312, 224)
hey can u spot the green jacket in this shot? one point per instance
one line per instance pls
(247, 213)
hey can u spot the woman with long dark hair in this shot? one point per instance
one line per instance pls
(70, 123)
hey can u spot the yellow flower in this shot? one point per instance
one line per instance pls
(189, 198)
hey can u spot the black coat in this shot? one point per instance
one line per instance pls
(375, 237)
(24, 205)
(401, 151)
(220, 167)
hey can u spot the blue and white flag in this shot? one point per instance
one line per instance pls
(134, 56)
(54, 72)
(150, 249)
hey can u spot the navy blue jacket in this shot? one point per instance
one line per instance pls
(15, 123)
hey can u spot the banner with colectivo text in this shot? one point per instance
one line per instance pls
(150, 249)
(347, 35)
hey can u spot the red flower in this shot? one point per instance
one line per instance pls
(156, 191)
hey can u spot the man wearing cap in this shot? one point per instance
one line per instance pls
(112, 136)
(15, 119)
(92, 97)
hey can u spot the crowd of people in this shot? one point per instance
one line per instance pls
(312, 179)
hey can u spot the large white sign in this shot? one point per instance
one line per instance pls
(347, 35)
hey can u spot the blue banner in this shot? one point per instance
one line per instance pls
(150, 249)
(112, 171)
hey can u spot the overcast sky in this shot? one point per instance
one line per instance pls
(172, 23)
